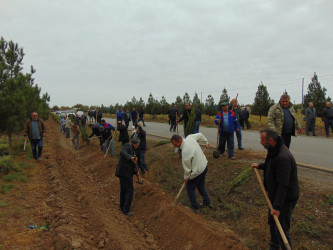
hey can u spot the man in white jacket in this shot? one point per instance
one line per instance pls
(195, 166)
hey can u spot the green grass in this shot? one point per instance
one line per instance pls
(6, 188)
(160, 143)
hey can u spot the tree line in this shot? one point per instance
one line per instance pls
(19, 95)
(260, 106)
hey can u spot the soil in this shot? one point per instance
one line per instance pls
(77, 194)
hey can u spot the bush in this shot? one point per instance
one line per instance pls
(84, 133)
(7, 165)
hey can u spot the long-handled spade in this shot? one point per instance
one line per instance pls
(109, 145)
(277, 222)
(182, 188)
(216, 154)
(25, 143)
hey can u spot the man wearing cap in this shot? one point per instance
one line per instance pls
(123, 133)
(96, 129)
(125, 171)
(35, 130)
(227, 124)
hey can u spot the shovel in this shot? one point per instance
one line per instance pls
(109, 144)
(137, 175)
(25, 143)
(178, 195)
(216, 154)
(277, 222)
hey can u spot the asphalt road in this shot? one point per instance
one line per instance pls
(312, 150)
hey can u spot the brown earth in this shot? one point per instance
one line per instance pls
(77, 194)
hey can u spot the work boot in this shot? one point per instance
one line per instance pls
(129, 214)
(232, 158)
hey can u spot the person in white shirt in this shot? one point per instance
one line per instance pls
(195, 166)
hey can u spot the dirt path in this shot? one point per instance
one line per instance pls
(78, 195)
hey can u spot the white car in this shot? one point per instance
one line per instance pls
(79, 113)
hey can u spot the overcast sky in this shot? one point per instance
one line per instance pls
(107, 51)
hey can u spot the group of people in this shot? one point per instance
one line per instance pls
(134, 115)
(280, 171)
(326, 117)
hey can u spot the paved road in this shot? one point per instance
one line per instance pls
(306, 149)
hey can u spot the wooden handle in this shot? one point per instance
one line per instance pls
(109, 144)
(25, 142)
(277, 222)
(179, 193)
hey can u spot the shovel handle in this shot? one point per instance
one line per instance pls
(179, 193)
(277, 222)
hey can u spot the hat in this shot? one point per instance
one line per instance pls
(224, 104)
(102, 120)
(135, 140)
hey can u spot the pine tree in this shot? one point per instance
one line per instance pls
(180, 104)
(19, 97)
(262, 102)
(150, 105)
(210, 108)
(316, 94)
(186, 98)
(224, 97)
(164, 106)
(196, 99)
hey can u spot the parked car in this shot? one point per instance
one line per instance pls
(58, 112)
(79, 113)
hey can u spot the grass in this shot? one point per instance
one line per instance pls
(238, 200)
(6, 188)
(3, 203)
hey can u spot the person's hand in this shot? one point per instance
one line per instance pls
(254, 165)
(219, 120)
(44, 134)
(134, 159)
(300, 131)
(186, 181)
(275, 212)
(237, 129)
(207, 145)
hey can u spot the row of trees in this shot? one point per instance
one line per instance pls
(262, 102)
(19, 95)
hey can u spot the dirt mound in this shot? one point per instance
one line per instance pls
(76, 192)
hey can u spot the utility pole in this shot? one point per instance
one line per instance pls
(302, 99)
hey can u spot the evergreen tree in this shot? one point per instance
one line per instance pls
(196, 99)
(150, 104)
(224, 97)
(164, 106)
(316, 94)
(186, 98)
(180, 104)
(210, 109)
(262, 102)
(19, 97)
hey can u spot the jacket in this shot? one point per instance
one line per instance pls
(96, 130)
(197, 114)
(123, 133)
(327, 114)
(280, 175)
(119, 115)
(28, 127)
(142, 136)
(125, 167)
(276, 117)
(193, 159)
(233, 122)
(244, 115)
(310, 114)
(185, 117)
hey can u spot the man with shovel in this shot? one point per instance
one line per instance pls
(195, 167)
(126, 168)
(281, 184)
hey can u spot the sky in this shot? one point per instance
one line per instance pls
(97, 52)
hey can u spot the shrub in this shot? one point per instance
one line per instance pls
(7, 165)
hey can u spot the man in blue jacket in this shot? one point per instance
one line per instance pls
(119, 115)
(227, 124)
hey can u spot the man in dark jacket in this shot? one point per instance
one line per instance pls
(107, 136)
(140, 152)
(186, 115)
(237, 111)
(310, 118)
(125, 171)
(141, 114)
(99, 116)
(173, 113)
(123, 133)
(134, 117)
(127, 117)
(281, 184)
(197, 119)
(96, 129)
(35, 130)
(244, 118)
(327, 118)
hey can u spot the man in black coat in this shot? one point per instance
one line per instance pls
(281, 184)
(123, 133)
(96, 129)
(186, 114)
(173, 113)
(140, 152)
(125, 171)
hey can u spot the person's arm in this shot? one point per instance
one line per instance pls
(271, 119)
(200, 138)
(187, 158)
(217, 119)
